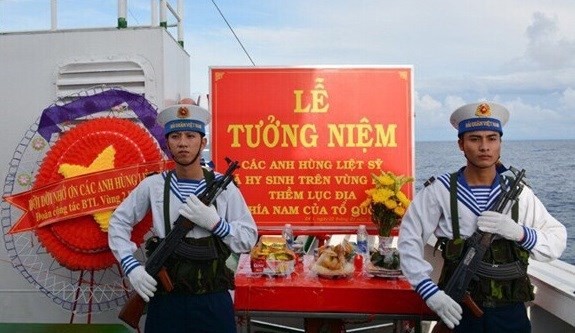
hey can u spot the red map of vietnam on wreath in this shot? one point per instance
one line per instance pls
(308, 139)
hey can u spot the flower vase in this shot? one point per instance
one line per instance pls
(389, 253)
(385, 244)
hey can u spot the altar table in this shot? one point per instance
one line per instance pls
(304, 294)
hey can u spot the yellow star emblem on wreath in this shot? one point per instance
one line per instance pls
(104, 161)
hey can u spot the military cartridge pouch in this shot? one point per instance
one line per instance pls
(198, 265)
(451, 249)
(200, 276)
(508, 271)
(502, 275)
(500, 252)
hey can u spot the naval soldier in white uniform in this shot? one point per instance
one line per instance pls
(530, 232)
(200, 301)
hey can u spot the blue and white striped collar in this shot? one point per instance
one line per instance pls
(465, 195)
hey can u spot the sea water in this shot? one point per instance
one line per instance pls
(549, 166)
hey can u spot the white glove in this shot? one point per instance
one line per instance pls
(503, 225)
(446, 308)
(143, 283)
(196, 211)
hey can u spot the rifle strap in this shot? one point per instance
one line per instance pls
(167, 181)
(453, 205)
(442, 242)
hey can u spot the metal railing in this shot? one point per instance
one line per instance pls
(161, 12)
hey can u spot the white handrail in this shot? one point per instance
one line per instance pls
(122, 6)
(122, 14)
(166, 7)
(54, 14)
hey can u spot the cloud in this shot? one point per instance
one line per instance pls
(567, 100)
(546, 47)
(461, 52)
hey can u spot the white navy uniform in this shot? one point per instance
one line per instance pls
(543, 238)
(204, 306)
(240, 233)
(430, 214)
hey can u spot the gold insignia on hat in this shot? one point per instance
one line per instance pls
(182, 112)
(483, 110)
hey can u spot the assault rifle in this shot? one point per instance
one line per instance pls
(479, 242)
(134, 308)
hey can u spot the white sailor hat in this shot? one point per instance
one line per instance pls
(483, 116)
(184, 117)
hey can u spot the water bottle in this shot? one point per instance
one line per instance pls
(287, 234)
(362, 240)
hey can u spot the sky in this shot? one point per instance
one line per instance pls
(519, 53)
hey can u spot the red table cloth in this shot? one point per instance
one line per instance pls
(304, 291)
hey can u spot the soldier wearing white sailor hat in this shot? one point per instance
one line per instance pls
(453, 206)
(483, 116)
(184, 117)
(201, 298)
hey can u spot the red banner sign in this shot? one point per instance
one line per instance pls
(79, 196)
(309, 139)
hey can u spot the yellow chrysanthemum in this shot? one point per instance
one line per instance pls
(384, 180)
(399, 211)
(386, 200)
(381, 195)
(403, 198)
(390, 204)
(366, 203)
